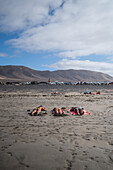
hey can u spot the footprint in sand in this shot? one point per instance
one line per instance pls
(91, 158)
(60, 149)
(68, 165)
(9, 153)
(85, 167)
(110, 142)
(111, 156)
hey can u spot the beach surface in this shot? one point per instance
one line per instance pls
(56, 143)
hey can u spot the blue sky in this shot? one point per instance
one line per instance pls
(57, 34)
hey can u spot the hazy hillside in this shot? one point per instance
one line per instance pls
(21, 73)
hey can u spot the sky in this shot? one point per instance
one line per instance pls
(57, 34)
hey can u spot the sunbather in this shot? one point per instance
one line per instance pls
(59, 111)
(98, 92)
(38, 110)
(77, 110)
(56, 93)
(86, 92)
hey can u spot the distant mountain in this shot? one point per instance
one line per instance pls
(21, 73)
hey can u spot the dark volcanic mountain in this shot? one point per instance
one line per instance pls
(21, 73)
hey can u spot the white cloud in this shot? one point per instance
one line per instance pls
(65, 64)
(3, 55)
(70, 28)
(23, 14)
(75, 54)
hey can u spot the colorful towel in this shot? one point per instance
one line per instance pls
(85, 113)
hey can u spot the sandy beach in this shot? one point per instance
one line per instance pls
(56, 143)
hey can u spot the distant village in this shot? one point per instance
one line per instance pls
(53, 83)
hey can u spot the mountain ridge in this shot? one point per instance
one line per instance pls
(23, 73)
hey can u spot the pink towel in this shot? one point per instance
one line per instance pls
(85, 112)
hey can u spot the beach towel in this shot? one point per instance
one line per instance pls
(98, 92)
(85, 112)
(75, 114)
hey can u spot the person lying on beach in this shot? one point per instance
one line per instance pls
(56, 93)
(86, 92)
(59, 111)
(77, 110)
(98, 92)
(38, 110)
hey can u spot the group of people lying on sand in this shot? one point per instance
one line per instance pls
(86, 92)
(40, 110)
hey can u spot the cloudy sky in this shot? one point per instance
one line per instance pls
(57, 34)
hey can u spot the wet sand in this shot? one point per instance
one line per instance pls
(56, 143)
